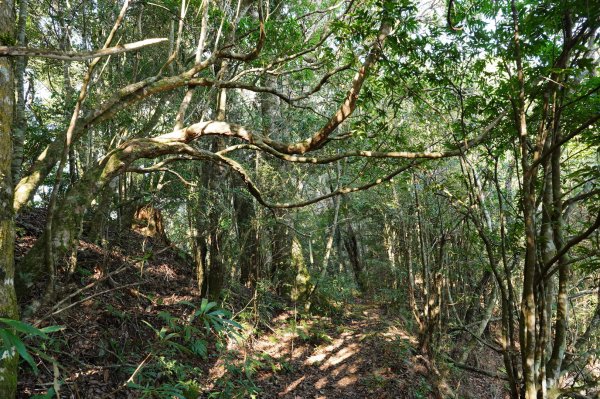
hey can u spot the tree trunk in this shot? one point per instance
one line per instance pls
(248, 238)
(281, 249)
(352, 248)
(198, 244)
(20, 121)
(327, 255)
(100, 215)
(299, 276)
(8, 299)
(564, 272)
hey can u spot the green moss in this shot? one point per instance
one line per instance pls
(8, 377)
(302, 284)
(7, 40)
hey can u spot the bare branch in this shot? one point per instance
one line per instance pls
(548, 271)
(258, 89)
(250, 55)
(77, 56)
(154, 168)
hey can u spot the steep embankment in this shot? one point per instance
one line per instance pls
(104, 307)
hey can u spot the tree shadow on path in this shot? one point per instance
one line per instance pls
(366, 355)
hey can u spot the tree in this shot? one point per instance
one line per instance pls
(269, 97)
(8, 299)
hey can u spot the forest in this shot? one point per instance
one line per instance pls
(299, 199)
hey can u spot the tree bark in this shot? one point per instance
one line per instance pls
(248, 238)
(352, 248)
(8, 299)
(20, 121)
(281, 249)
(564, 272)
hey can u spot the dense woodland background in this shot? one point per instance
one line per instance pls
(432, 165)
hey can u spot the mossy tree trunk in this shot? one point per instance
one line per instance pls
(301, 283)
(8, 299)
(101, 215)
(20, 121)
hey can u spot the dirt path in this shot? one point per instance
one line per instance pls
(365, 355)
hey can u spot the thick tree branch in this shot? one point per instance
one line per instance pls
(77, 56)
(256, 141)
(580, 197)
(170, 144)
(478, 371)
(347, 107)
(123, 98)
(136, 92)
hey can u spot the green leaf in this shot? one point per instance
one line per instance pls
(51, 329)
(232, 323)
(23, 327)
(10, 340)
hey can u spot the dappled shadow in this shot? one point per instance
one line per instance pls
(363, 356)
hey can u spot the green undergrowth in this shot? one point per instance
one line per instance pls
(258, 309)
(333, 295)
(181, 343)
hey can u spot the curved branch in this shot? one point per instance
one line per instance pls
(277, 71)
(347, 107)
(152, 148)
(250, 55)
(590, 122)
(215, 128)
(362, 154)
(258, 89)
(123, 98)
(548, 271)
(154, 168)
(335, 193)
(449, 17)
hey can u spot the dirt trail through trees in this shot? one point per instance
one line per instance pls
(362, 355)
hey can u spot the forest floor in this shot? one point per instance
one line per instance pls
(362, 354)
(123, 295)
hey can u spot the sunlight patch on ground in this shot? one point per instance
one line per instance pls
(336, 344)
(292, 386)
(394, 331)
(353, 368)
(321, 383)
(315, 359)
(347, 381)
(340, 356)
